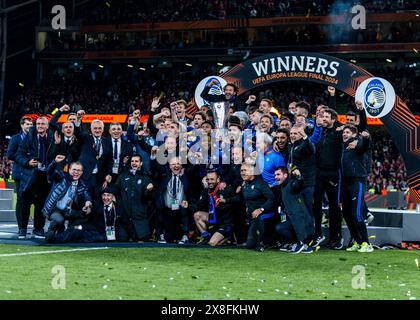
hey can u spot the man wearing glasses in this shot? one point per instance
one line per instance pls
(69, 195)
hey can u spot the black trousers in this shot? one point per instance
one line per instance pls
(18, 205)
(173, 220)
(135, 229)
(352, 201)
(330, 185)
(36, 195)
(75, 235)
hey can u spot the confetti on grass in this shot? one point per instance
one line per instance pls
(417, 262)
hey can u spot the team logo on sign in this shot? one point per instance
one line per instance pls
(375, 97)
(378, 97)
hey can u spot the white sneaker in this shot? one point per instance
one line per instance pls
(184, 239)
(161, 238)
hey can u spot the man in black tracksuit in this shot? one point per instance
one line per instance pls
(289, 200)
(134, 189)
(302, 157)
(328, 179)
(354, 176)
(259, 201)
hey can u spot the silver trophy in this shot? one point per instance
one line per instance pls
(220, 111)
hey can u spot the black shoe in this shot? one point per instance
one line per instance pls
(22, 234)
(297, 248)
(285, 247)
(38, 234)
(338, 245)
(260, 247)
(49, 235)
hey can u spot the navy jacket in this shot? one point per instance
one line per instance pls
(12, 152)
(28, 149)
(88, 156)
(353, 161)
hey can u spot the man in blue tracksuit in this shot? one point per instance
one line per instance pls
(353, 169)
(271, 160)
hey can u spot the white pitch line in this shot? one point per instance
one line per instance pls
(51, 251)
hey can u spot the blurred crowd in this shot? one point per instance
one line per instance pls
(130, 11)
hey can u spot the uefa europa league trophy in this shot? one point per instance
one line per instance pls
(220, 111)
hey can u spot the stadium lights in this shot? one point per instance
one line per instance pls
(415, 50)
(21, 84)
(353, 61)
(142, 69)
(130, 66)
(188, 64)
(101, 66)
(220, 64)
(388, 60)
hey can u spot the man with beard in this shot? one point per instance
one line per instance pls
(328, 179)
(215, 208)
(354, 178)
(281, 142)
(134, 189)
(224, 101)
(25, 125)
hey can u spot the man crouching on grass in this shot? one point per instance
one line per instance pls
(68, 192)
(215, 209)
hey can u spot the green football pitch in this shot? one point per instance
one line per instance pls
(203, 274)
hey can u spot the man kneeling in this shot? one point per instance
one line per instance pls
(214, 209)
(67, 194)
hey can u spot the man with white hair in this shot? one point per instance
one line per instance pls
(95, 155)
(268, 159)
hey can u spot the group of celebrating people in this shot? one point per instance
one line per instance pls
(257, 178)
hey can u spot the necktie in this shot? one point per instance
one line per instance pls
(97, 145)
(174, 183)
(115, 149)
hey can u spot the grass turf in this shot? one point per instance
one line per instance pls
(202, 274)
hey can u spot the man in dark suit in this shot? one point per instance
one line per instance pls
(66, 144)
(172, 199)
(122, 150)
(95, 156)
(34, 187)
(25, 124)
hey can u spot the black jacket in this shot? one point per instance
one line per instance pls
(72, 152)
(126, 151)
(257, 194)
(329, 149)
(302, 155)
(132, 193)
(353, 162)
(223, 211)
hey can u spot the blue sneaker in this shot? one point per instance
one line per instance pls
(308, 249)
(297, 248)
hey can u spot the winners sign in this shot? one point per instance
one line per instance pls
(377, 95)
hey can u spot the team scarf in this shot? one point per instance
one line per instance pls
(213, 197)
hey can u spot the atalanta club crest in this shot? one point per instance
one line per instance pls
(375, 97)
(378, 97)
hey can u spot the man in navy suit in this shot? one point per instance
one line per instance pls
(122, 150)
(95, 155)
(25, 124)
